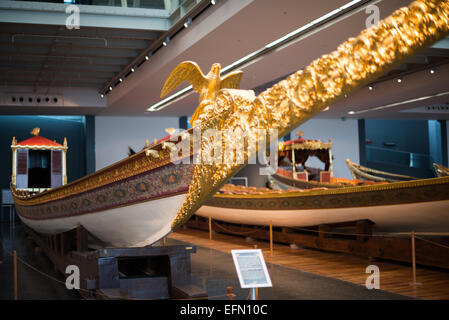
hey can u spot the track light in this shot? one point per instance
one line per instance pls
(212, 2)
(351, 112)
(188, 23)
(147, 58)
(167, 40)
(370, 88)
(305, 31)
(120, 79)
(132, 70)
(110, 88)
(399, 80)
(102, 96)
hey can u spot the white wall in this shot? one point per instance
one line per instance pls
(113, 135)
(345, 141)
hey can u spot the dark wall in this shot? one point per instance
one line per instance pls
(53, 128)
(408, 135)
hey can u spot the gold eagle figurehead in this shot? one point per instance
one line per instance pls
(206, 85)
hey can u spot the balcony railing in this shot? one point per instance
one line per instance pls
(403, 158)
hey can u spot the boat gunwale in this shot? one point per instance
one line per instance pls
(344, 190)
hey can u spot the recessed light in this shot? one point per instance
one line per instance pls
(399, 80)
(432, 71)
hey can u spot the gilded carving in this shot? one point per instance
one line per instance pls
(307, 92)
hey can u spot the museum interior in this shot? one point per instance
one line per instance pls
(224, 150)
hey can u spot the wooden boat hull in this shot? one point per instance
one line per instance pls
(420, 205)
(131, 203)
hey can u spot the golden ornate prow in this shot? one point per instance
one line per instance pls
(206, 85)
(307, 92)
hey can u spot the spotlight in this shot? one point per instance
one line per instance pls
(432, 71)
(212, 2)
(370, 88)
(147, 57)
(399, 80)
(120, 79)
(132, 70)
(102, 96)
(110, 88)
(351, 112)
(188, 23)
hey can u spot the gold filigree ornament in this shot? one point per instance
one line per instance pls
(287, 104)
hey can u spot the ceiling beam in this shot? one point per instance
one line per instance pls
(45, 41)
(92, 16)
(71, 59)
(73, 50)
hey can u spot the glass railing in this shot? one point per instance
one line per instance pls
(169, 5)
(176, 9)
(403, 158)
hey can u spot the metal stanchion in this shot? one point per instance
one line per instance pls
(210, 228)
(15, 275)
(271, 238)
(414, 283)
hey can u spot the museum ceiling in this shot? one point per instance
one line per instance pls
(224, 33)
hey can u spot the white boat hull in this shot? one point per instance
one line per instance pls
(135, 225)
(429, 217)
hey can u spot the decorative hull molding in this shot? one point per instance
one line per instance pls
(420, 205)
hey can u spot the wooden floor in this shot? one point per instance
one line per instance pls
(434, 283)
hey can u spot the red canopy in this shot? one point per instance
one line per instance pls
(39, 141)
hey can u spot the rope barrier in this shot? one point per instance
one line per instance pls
(332, 233)
(236, 232)
(8, 252)
(432, 242)
(97, 293)
(346, 234)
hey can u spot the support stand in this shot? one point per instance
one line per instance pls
(122, 273)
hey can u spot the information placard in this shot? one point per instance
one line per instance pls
(251, 268)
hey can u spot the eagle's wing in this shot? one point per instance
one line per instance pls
(232, 80)
(185, 71)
